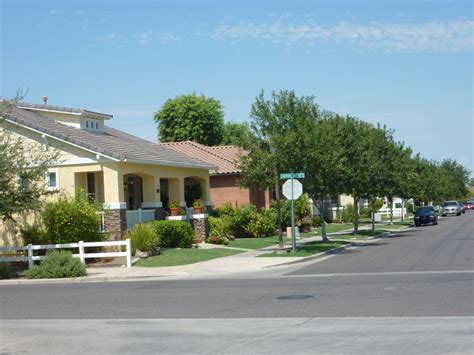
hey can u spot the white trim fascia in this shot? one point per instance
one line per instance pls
(78, 161)
(200, 215)
(171, 163)
(115, 206)
(49, 110)
(176, 218)
(158, 204)
(85, 113)
(60, 140)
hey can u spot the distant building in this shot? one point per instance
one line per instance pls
(223, 181)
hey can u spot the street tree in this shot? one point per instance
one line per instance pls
(191, 117)
(275, 146)
(23, 168)
(238, 134)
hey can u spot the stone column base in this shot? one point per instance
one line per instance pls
(115, 222)
(200, 223)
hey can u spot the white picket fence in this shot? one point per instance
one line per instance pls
(82, 254)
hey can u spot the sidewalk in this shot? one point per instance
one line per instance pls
(245, 264)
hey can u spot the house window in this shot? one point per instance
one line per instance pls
(91, 186)
(87, 124)
(52, 180)
(97, 125)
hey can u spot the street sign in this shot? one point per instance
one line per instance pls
(292, 176)
(297, 189)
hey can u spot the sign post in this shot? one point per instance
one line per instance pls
(292, 189)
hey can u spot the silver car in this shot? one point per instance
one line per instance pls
(451, 208)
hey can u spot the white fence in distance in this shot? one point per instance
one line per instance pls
(82, 254)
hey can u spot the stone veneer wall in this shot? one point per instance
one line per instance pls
(201, 229)
(115, 223)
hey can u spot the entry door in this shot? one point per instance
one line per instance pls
(91, 192)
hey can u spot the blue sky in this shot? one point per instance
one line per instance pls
(406, 64)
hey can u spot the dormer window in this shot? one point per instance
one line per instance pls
(92, 125)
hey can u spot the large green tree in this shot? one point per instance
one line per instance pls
(276, 145)
(238, 134)
(191, 117)
(22, 169)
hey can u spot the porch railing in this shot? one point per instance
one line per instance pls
(139, 216)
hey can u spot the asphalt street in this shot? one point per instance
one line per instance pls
(421, 280)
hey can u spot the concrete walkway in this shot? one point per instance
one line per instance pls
(243, 265)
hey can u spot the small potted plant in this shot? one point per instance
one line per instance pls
(197, 204)
(174, 208)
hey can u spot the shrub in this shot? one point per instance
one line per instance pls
(302, 209)
(364, 212)
(241, 219)
(227, 209)
(70, 220)
(144, 238)
(217, 239)
(347, 215)
(34, 234)
(6, 272)
(57, 264)
(262, 223)
(173, 234)
(220, 226)
(410, 207)
(317, 221)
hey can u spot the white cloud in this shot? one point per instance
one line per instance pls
(144, 38)
(432, 36)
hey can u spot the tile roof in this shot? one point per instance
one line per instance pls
(112, 143)
(226, 158)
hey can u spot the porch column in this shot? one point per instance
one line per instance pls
(176, 190)
(206, 195)
(151, 195)
(115, 208)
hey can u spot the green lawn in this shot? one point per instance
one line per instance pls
(335, 227)
(174, 257)
(258, 243)
(307, 249)
(363, 234)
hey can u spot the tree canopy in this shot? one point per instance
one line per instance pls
(191, 117)
(22, 170)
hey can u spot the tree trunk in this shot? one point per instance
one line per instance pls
(403, 209)
(323, 221)
(373, 214)
(391, 210)
(278, 205)
(356, 214)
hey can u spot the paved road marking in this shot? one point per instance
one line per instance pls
(395, 273)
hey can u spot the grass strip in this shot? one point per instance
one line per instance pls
(175, 257)
(307, 249)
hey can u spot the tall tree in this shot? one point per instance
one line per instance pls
(191, 117)
(238, 134)
(323, 159)
(276, 147)
(23, 169)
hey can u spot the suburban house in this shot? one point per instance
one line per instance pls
(223, 180)
(130, 176)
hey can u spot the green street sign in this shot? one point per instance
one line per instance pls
(292, 176)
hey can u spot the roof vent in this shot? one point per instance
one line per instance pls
(45, 99)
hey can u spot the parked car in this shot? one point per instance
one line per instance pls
(469, 205)
(451, 208)
(463, 209)
(425, 215)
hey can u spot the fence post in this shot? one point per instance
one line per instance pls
(129, 252)
(30, 256)
(81, 252)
